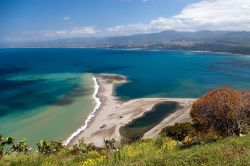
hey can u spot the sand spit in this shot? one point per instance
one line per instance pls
(112, 114)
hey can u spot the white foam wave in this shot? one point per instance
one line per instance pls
(91, 115)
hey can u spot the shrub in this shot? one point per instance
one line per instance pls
(110, 144)
(200, 138)
(169, 144)
(3, 142)
(21, 146)
(49, 147)
(82, 147)
(179, 131)
(159, 141)
(224, 110)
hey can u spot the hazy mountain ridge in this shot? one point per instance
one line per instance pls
(218, 41)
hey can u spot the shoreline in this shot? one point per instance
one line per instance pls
(132, 49)
(196, 51)
(110, 114)
(90, 116)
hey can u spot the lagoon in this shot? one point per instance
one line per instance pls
(136, 128)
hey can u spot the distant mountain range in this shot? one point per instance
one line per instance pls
(217, 41)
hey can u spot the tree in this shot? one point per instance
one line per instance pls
(224, 110)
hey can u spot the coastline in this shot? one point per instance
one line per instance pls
(196, 51)
(90, 116)
(110, 114)
(145, 49)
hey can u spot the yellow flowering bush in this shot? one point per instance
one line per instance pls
(89, 162)
(169, 144)
(141, 148)
(187, 140)
(132, 152)
(94, 158)
(93, 161)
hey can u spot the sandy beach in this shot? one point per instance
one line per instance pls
(113, 114)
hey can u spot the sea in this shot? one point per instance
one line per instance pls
(48, 92)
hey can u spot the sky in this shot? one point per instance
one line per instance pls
(34, 20)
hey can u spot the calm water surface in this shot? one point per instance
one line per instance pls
(141, 125)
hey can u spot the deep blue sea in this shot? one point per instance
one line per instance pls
(31, 79)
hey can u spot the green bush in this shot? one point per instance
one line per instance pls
(21, 146)
(179, 131)
(82, 147)
(110, 144)
(3, 142)
(47, 147)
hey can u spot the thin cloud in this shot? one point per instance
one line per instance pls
(66, 18)
(74, 32)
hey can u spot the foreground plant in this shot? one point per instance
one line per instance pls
(3, 142)
(82, 147)
(179, 131)
(110, 144)
(21, 146)
(225, 110)
(47, 147)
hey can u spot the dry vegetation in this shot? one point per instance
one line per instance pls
(224, 110)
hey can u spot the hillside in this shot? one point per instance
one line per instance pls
(216, 41)
(229, 151)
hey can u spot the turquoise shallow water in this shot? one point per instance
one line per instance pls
(52, 120)
(33, 80)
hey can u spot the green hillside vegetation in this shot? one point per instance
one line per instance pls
(230, 151)
(218, 135)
